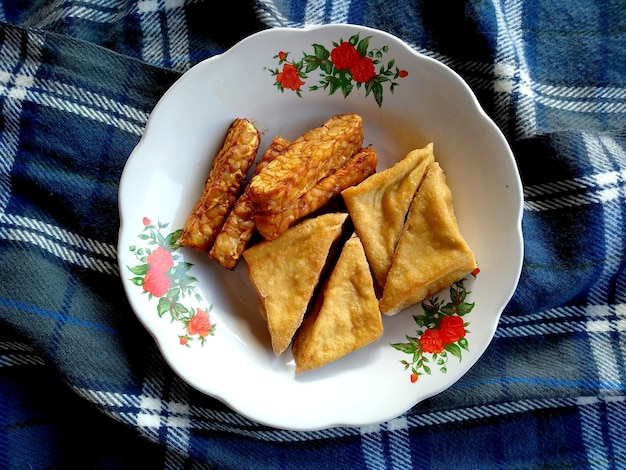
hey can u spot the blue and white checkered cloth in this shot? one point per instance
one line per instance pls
(82, 384)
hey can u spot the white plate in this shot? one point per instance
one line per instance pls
(166, 171)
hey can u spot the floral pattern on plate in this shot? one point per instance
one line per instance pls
(441, 332)
(347, 65)
(164, 275)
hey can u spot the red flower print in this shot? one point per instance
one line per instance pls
(160, 259)
(440, 332)
(451, 329)
(344, 56)
(363, 70)
(162, 273)
(343, 67)
(431, 342)
(200, 324)
(156, 282)
(289, 77)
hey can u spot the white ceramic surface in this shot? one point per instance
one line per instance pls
(166, 171)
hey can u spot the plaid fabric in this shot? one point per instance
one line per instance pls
(82, 384)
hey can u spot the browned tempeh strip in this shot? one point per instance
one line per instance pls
(239, 226)
(308, 159)
(361, 165)
(223, 185)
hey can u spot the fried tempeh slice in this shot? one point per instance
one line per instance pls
(239, 227)
(431, 253)
(346, 316)
(309, 158)
(223, 185)
(378, 207)
(358, 167)
(286, 271)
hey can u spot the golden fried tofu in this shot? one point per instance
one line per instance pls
(431, 253)
(286, 271)
(378, 207)
(346, 316)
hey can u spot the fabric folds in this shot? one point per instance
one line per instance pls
(78, 80)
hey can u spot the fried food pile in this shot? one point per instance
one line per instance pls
(325, 279)
(222, 186)
(416, 248)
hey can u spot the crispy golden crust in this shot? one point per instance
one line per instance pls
(308, 159)
(223, 185)
(358, 167)
(431, 252)
(286, 271)
(346, 316)
(378, 207)
(239, 226)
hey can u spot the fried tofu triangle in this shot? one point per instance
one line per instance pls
(223, 185)
(346, 317)
(431, 253)
(239, 226)
(378, 207)
(309, 158)
(286, 271)
(358, 167)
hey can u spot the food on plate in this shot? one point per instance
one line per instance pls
(285, 273)
(378, 207)
(346, 315)
(431, 253)
(309, 158)
(358, 167)
(240, 225)
(316, 290)
(223, 185)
